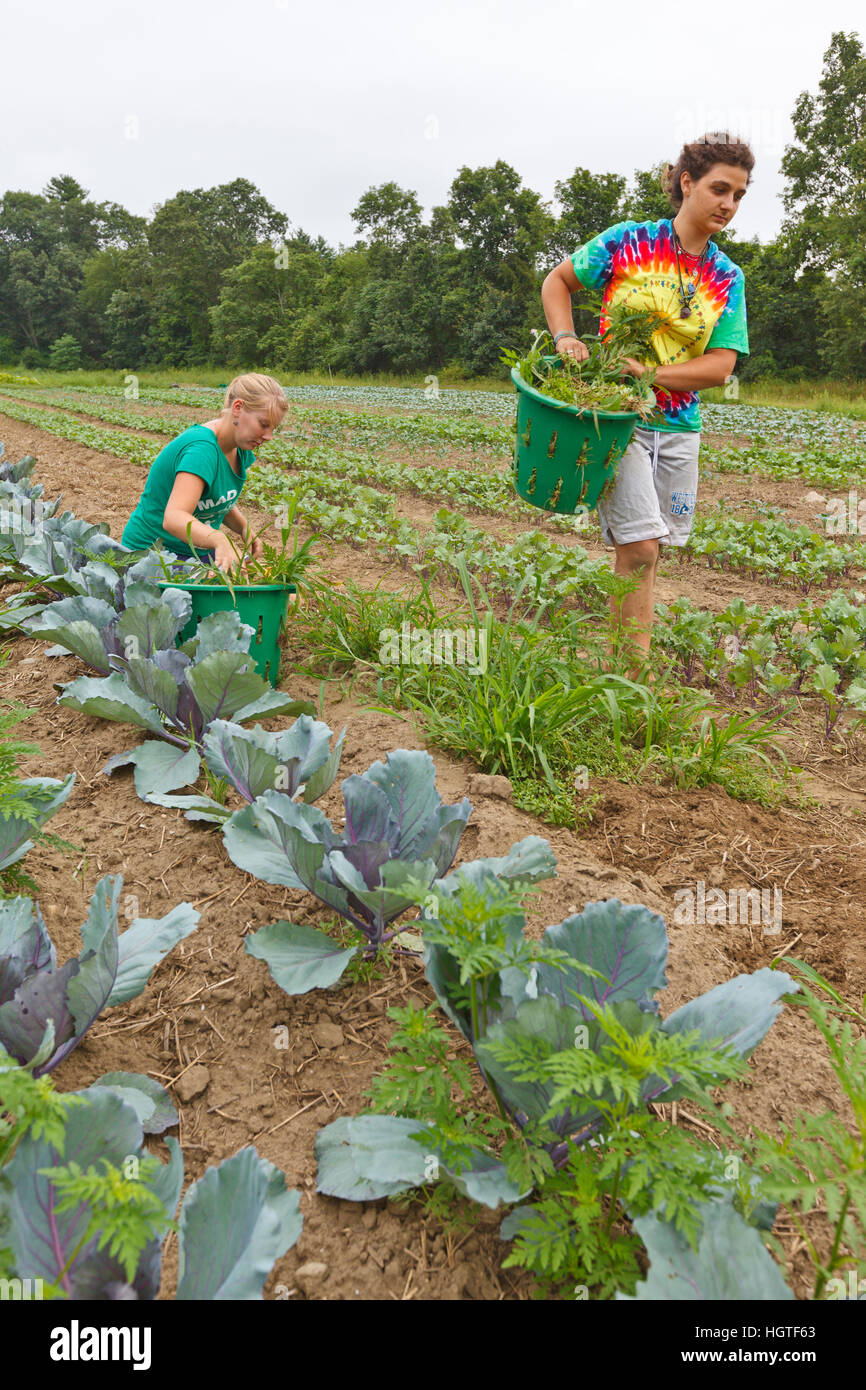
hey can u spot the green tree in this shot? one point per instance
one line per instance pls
(783, 307)
(128, 329)
(646, 200)
(195, 238)
(263, 299)
(65, 354)
(588, 204)
(503, 229)
(45, 241)
(116, 300)
(399, 323)
(826, 166)
(322, 336)
(503, 226)
(825, 196)
(391, 218)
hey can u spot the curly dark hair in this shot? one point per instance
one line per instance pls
(698, 158)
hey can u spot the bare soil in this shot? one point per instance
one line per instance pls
(212, 1004)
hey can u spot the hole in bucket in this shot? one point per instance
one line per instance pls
(530, 487)
(527, 433)
(551, 448)
(259, 631)
(554, 497)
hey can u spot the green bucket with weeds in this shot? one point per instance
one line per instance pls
(281, 570)
(565, 459)
(262, 606)
(575, 419)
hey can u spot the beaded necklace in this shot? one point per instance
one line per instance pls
(688, 292)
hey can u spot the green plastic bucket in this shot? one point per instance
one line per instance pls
(565, 458)
(262, 606)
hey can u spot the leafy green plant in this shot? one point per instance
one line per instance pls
(125, 1212)
(728, 1261)
(25, 803)
(836, 698)
(92, 1227)
(176, 695)
(596, 383)
(297, 762)
(421, 1077)
(521, 707)
(138, 618)
(770, 547)
(580, 1230)
(722, 747)
(573, 1053)
(46, 1010)
(818, 1158)
(343, 627)
(278, 564)
(395, 823)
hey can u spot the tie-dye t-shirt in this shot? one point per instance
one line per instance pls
(635, 263)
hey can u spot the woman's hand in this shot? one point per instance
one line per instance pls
(225, 555)
(256, 547)
(630, 366)
(572, 347)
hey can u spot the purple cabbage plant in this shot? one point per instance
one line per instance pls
(46, 1009)
(177, 694)
(233, 1223)
(522, 1004)
(396, 825)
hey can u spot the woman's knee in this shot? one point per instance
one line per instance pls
(637, 555)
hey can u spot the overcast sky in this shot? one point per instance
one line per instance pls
(314, 103)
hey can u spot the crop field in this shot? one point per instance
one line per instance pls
(466, 1095)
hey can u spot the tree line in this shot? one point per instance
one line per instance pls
(219, 275)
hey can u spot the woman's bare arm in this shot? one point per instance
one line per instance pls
(179, 520)
(556, 294)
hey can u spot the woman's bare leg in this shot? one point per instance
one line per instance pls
(635, 615)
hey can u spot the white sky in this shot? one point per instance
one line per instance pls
(314, 103)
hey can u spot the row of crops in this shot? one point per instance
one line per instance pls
(567, 1037)
(816, 448)
(810, 653)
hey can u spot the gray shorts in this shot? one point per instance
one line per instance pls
(655, 491)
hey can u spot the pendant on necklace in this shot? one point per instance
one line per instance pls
(685, 312)
(690, 289)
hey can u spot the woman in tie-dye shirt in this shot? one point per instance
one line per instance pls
(670, 265)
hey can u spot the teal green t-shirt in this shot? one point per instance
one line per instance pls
(195, 451)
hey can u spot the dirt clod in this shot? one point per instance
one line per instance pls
(310, 1277)
(193, 1083)
(485, 784)
(327, 1035)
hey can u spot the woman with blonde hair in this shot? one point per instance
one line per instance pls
(194, 482)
